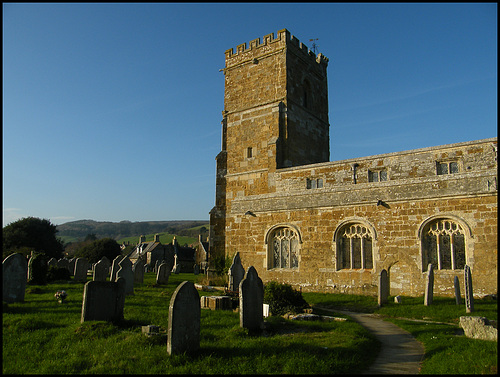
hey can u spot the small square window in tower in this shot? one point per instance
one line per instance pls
(249, 152)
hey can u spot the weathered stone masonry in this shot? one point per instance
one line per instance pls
(333, 226)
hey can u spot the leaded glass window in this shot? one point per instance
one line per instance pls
(355, 247)
(443, 245)
(285, 253)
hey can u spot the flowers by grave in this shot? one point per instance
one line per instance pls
(60, 296)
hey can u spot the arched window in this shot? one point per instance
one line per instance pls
(354, 247)
(283, 248)
(443, 245)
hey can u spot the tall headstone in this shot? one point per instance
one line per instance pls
(71, 266)
(103, 300)
(163, 274)
(458, 298)
(383, 288)
(251, 292)
(469, 298)
(126, 272)
(64, 263)
(14, 272)
(115, 267)
(81, 268)
(184, 320)
(157, 264)
(100, 271)
(138, 269)
(236, 273)
(106, 262)
(37, 269)
(429, 285)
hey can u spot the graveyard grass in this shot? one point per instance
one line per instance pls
(43, 336)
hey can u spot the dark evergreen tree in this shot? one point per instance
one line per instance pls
(105, 247)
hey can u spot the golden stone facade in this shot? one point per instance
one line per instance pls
(333, 226)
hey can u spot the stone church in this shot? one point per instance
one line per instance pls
(333, 226)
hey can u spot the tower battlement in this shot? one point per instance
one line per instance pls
(269, 43)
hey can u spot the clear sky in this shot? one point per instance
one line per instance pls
(112, 111)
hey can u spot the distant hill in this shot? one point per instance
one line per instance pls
(75, 231)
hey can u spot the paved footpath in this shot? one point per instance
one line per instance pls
(401, 353)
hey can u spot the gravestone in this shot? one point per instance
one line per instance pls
(236, 273)
(14, 273)
(37, 269)
(458, 298)
(469, 298)
(81, 268)
(71, 266)
(52, 262)
(184, 320)
(157, 264)
(126, 272)
(103, 301)
(163, 274)
(429, 286)
(64, 263)
(100, 271)
(115, 267)
(106, 262)
(138, 269)
(251, 292)
(196, 269)
(398, 299)
(383, 288)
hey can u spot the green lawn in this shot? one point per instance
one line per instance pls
(43, 336)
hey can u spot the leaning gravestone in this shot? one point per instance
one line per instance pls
(115, 267)
(81, 268)
(52, 262)
(429, 286)
(138, 269)
(103, 301)
(251, 292)
(100, 271)
(383, 288)
(236, 273)
(14, 272)
(469, 298)
(184, 320)
(126, 272)
(163, 274)
(456, 283)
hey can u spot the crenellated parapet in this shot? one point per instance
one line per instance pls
(270, 44)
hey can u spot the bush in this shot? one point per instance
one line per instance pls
(58, 273)
(282, 298)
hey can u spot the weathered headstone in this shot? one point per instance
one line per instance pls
(157, 264)
(138, 269)
(115, 267)
(64, 263)
(429, 285)
(14, 272)
(52, 262)
(251, 292)
(383, 288)
(236, 273)
(103, 301)
(458, 298)
(106, 262)
(100, 271)
(126, 272)
(163, 274)
(37, 269)
(469, 298)
(71, 266)
(81, 267)
(184, 320)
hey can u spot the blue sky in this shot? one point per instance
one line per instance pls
(112, 111)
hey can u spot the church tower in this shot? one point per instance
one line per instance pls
(275, 116)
